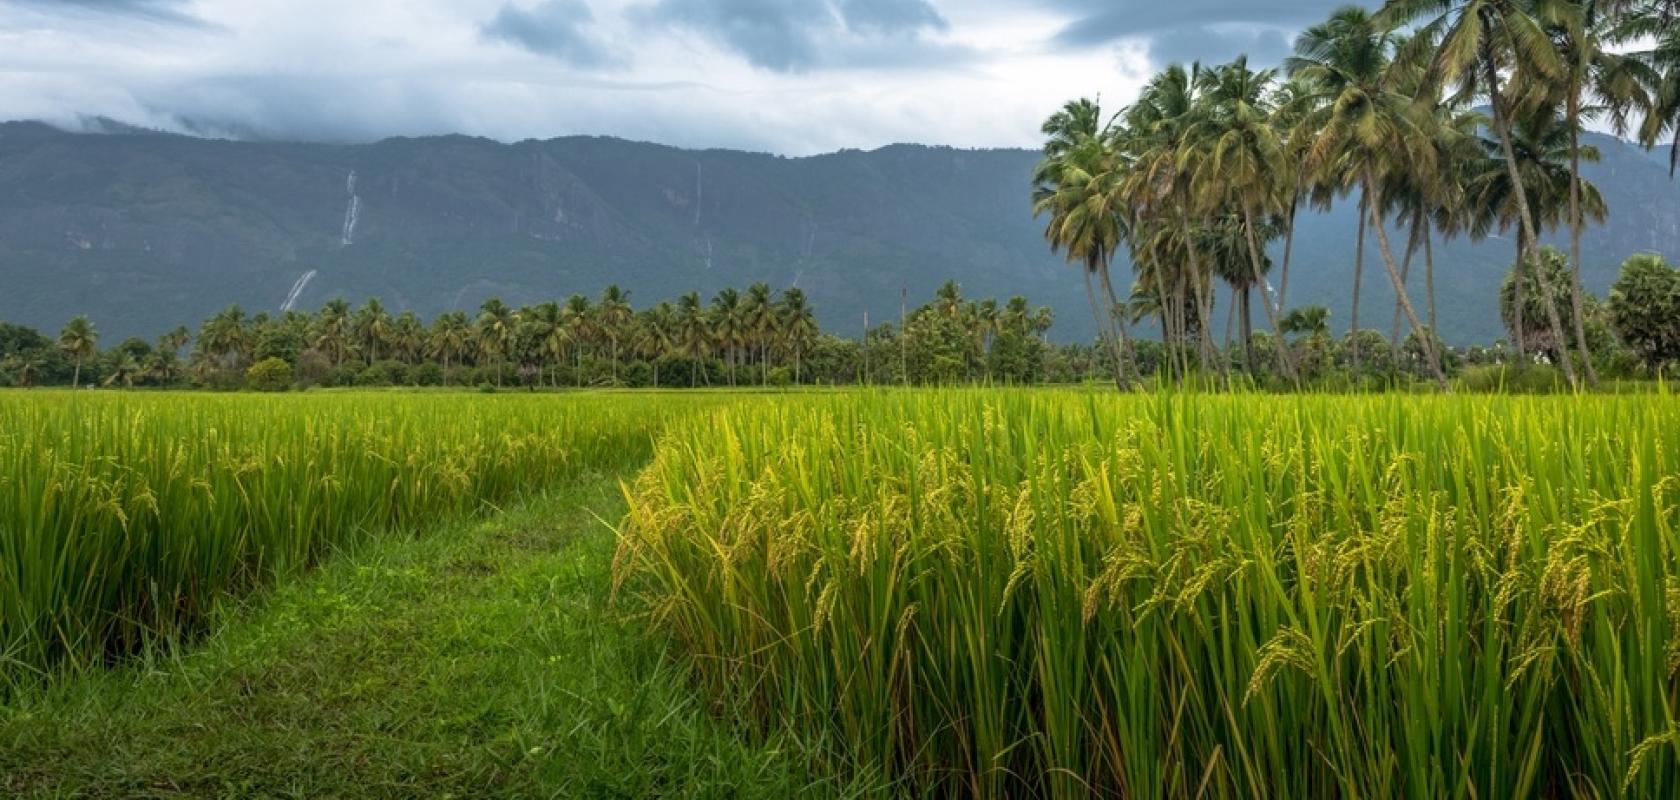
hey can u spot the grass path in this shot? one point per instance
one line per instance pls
(478, 660)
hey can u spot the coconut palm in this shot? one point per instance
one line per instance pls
(758, 320)
(1370, 130)
(652, 338)
(371, 327)
(580, 326)
(1158, 189)
(226, 337)
(548, 329)
(693, 336)
(1471, 43)
(408, 338)
(1238, 166)
(1595, 82)
(798, 326)
(332, 330)
(451, 339)
(1074, 187)
(612, 315)
(494, 331)
(125, 369)
(80, 341)
(729, 326)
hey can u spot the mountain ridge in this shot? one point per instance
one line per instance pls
(144, 231)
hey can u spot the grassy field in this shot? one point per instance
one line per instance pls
(983, 593)
(1006, 594)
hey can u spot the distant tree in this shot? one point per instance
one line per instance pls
(270, 375)
(495, 332)
(798, 326)
(1645, 310)
(79, 340)
(612, 318)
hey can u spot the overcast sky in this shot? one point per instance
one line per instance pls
(786, 76)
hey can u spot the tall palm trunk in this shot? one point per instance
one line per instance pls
(1576, 225)
(1288, 249)
(1358, 279)
(1528, 239)
(1104, 325)
(1429, 273)
(1428, 343)
(1286, 360)
(1122, 339)
(1204, 301)
(1405, 280)
(1246, 313)
(76, 377)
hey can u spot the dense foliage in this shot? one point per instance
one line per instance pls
(1212, 164)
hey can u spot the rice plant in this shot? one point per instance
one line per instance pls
(123, 518)
(1066, 595)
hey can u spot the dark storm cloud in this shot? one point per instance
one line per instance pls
(559, 29)
(166, 11)
(891, 16)
(797, 35)
(1265, 47)
(1101, 21)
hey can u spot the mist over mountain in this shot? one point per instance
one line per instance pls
(146, 231)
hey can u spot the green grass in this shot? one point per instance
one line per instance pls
(1064, 594)
(124, 517)
(478, 660)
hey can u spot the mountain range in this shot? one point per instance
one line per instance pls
(144, 231)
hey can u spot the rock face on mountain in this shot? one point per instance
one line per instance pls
(146, 231)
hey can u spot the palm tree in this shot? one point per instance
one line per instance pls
(1239, 167)
(729, 324)
(758, 320)
(652, 338)
(125, 369)
(225, 337)
(1657, 22)
(1544, 150)
(174, 340)
(580, 324)
(451, 339)
(332, 330)
(408, 338)
(798, 327)
(372, 328)
(548, 326)
(1472, 41)
(612, 314)
(80, 341)
(1595, 82)
(693, 336)
(495, 329)
(1074, 186)
(1371, 130)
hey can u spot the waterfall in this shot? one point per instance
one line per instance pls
(297, 289)
(353, 212)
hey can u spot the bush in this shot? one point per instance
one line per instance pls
(270, 375)
(376, 375)
(427, 374)
(781, 377)
(1512, 379)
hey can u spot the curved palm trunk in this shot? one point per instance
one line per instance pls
(76, 377)
(1122, 340)
(1246, 313)
(1286, 360)
(1288, 249)
(1358, 280)
(1102, 333)
(1204, 300)
(1528, 238)
(1576, 225)
(1405, 280)
(1429, 274)
(1428, 343)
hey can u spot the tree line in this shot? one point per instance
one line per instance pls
(1438, 118)
(755, 338)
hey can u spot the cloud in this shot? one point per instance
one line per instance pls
(163, 11)
(1193, 30)
(800, 35)
(892, 16)
(558, 29)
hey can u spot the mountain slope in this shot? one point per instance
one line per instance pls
(145, 231)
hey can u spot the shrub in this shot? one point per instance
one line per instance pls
(270, 375)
